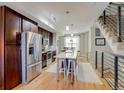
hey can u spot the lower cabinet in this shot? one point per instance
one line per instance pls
(12, 66)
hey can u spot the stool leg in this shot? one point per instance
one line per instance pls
(57, 69)
(72, 73)
(64, 66)
(68, 69)
(75, 72)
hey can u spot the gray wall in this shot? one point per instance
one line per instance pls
(93, 47)
(60, 43)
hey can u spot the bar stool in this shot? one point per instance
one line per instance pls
(63, 66)
(72, 68)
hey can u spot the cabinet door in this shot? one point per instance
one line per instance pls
(12, 66)
(26, 25)
(1, 48)
(40, 31)
(50, 38)
(34, 28)
(12, 26)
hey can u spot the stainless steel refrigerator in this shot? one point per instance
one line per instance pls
(31, 45)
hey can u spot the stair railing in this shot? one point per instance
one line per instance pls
(113, 16)
(111, 68)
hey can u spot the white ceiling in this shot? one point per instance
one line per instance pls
(82, 15)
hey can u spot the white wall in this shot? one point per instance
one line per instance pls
(93, 47)
(60, 43)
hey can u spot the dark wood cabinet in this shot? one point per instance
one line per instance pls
(10, 62)
(40, 31)
(28, 25)
(12, 66)
(34, 28)
(46, 34)
(12, 26)
(1, 48)
(50, 38)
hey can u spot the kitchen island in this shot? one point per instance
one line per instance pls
(67, 55)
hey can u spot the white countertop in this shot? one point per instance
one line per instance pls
(68, 55)
(47, 51)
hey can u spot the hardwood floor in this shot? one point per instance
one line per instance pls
(47, 81)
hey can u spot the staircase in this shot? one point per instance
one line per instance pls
(111, 24)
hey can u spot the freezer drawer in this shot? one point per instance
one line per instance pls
(33, 71)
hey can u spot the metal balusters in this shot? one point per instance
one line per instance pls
(119, 24)
(116, 73)
(112, 69)
(104, 17)
(113, 18)
(96, 60)
(102, 64)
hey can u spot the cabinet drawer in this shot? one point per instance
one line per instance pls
(33, 71)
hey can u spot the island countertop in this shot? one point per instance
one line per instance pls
(68, 55)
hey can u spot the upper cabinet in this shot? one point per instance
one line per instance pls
(34, 27)
(50, 38)
(46, 36)
(26, 26)
(40, 31)
(29, 25)
(12, 26)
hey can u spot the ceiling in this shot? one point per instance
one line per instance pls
(82, 15)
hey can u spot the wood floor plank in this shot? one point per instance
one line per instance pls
(47, 81)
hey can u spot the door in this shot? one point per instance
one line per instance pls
(12, 66)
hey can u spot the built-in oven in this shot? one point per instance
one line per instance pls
(44, 60)
(49, 54)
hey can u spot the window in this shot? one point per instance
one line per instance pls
(72, 42)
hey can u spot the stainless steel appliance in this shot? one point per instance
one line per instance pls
(31, 45)
(49, 57)
(44, 59)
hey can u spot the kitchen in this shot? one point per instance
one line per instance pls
(10, 45)
(37, 55)
(48, 48)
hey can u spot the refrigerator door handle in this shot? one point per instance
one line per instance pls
(18, 38)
